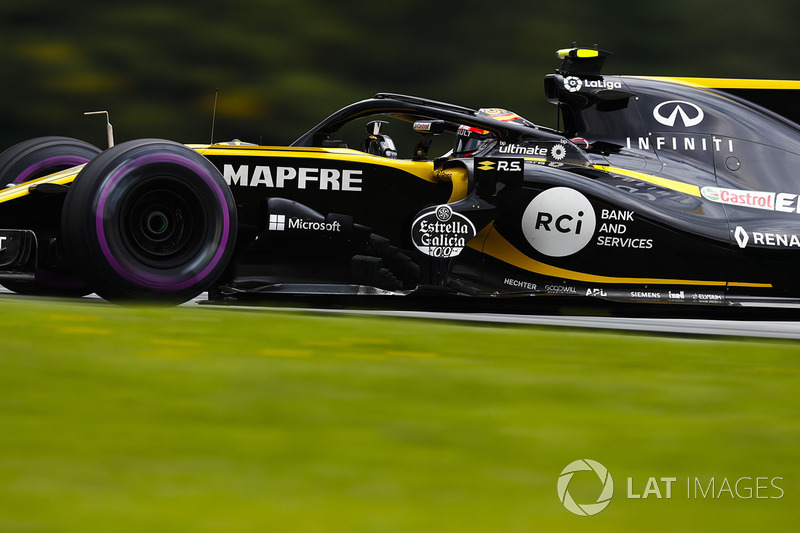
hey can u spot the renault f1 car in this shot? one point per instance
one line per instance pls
(650, 190)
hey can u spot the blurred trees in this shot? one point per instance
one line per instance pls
(283, 65)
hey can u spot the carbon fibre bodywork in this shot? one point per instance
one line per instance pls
(654, 190)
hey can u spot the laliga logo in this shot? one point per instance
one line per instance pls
(573, 84)
(667, 113)
(586, 509)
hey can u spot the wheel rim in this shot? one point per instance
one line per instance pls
(159, 223)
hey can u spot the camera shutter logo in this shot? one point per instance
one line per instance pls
(585, 509)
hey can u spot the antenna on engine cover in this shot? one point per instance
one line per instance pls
(214, 115)
(109, 128)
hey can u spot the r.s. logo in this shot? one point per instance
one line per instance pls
(500, 165)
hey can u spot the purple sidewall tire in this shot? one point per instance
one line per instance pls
(130, 272)
(46, 165)
(39, 157)
(30, 160)
(108, 231)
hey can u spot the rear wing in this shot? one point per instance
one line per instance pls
(779, 96)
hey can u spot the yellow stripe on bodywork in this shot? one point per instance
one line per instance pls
(679, 186)
(23, 189)
(495, 245)
(728, 83)
(459, 177)
(667, 183)
(420, 169)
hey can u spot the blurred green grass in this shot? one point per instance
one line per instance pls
(185, 419)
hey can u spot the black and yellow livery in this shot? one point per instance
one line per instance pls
(652, 189)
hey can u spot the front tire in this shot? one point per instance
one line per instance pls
(149, 220)
(39, 157)
(30, 160)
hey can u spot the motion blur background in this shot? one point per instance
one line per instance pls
(129, 419)
(283, 65)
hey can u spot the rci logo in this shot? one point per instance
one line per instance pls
(559, 222)
(586, 509)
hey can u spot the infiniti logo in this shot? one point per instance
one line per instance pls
(667, 113)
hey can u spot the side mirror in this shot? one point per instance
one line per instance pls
(109, 128)
(426, 129)
(374, 127)
(436, 127)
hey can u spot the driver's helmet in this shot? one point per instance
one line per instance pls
(504, 115)
(471, 140)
